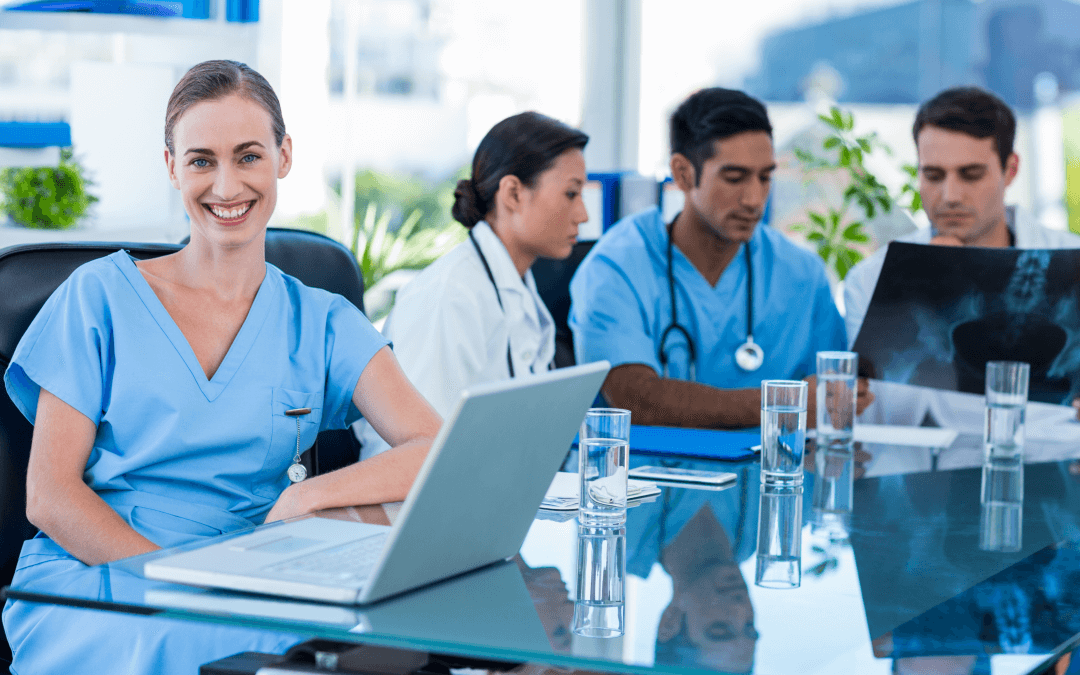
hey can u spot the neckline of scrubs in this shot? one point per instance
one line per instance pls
(241, 344)
(679, 258)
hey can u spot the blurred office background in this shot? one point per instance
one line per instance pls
(387, 99)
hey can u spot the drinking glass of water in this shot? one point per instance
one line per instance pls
(1001, 514)
(836, 392)
(783, 431)
(604, 455)
(600, 605)
(779, 551)
(1006, 402)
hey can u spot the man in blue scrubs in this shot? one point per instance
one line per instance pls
(677, 366)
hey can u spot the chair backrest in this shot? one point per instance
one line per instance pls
(28, 276)
(553, 284)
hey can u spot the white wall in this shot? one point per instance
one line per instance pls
(117, 120)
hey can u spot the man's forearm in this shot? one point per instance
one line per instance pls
(652, 399)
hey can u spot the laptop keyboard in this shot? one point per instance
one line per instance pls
(346, 564)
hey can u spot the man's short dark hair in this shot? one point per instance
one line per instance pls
(711, 115)
(973, 111)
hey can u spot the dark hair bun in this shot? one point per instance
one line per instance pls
(467, 209)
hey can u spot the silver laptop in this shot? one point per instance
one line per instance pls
(472, 503)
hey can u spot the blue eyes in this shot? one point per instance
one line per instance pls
(203, 163)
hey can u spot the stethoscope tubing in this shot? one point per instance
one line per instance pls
(749, 356)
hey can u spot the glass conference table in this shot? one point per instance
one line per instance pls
(903, 582)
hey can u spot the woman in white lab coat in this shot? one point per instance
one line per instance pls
(475, 315)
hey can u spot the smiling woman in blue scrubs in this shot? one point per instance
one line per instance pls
(170, 397)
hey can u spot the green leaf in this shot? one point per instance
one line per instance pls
(845, 157)
(817, 218)
(831, 142)
(815, 236)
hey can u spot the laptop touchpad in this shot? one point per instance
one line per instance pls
(283, 545)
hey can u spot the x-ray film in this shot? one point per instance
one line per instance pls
(939, 313)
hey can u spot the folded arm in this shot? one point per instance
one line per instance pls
(400, 415)
(58, 500)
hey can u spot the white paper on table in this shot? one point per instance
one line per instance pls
(889, 434)
(563, 493)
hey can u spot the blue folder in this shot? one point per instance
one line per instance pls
(731, 446)
(728, 446)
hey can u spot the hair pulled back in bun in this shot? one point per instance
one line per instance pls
(525, 145)
(468, 208)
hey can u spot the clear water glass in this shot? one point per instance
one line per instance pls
(783, 431)
(1006, 404)
(834, 492)
(1001, 515)
(604, 457)
(600, 602)
(779, 551)
(837, 374)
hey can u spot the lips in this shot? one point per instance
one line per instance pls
(230, 213)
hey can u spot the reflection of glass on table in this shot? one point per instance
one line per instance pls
(779, 552)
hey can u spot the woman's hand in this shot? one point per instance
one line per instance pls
(291, 503)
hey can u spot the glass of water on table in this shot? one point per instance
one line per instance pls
(837, 387)
(1006, 403)
(604, 457)
(783, 431)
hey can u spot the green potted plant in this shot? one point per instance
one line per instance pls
(46, 198)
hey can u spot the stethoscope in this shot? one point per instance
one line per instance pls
(498, 296)
(749, 356)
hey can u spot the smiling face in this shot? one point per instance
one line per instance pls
(962, 184)
(226, 166)
(730, 196)
(552, 210)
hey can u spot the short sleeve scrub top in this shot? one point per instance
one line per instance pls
(180, 457)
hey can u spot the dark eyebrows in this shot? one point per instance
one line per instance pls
(733, 168)
(577, 181)
(236, 150)
(244, 146)
(963, 169)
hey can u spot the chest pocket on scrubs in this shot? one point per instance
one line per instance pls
(272, 477)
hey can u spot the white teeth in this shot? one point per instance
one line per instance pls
(230, 214)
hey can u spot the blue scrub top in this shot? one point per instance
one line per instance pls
(620, 306)
(176, 455)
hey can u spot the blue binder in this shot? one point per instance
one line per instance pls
(727, 446)
(730, 446)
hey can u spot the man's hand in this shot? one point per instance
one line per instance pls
(864, 397)
(946, 240)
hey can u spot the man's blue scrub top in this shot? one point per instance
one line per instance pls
(621, 305)
(178, 456)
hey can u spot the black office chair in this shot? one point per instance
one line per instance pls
(553, 283)
(28, 276)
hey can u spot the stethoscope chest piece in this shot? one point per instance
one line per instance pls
(749, 356)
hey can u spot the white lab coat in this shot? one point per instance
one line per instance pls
(448, 331)
(909, 405)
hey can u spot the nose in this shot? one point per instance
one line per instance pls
(755, 195)
(581, 214)
(227, 183)
(952, 189)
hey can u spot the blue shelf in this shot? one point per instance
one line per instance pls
(35, 134)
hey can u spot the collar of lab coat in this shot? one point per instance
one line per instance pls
(498, 259)
(506, 276)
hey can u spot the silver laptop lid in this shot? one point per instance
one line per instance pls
(478, 491)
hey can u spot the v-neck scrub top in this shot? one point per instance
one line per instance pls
(621, 304)
(175, 454)
(178, 456)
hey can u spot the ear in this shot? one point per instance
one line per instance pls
(170, 166)
(682, 172)
(1012, 167)
(285, 156)
(670, 623)
(510, 195)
